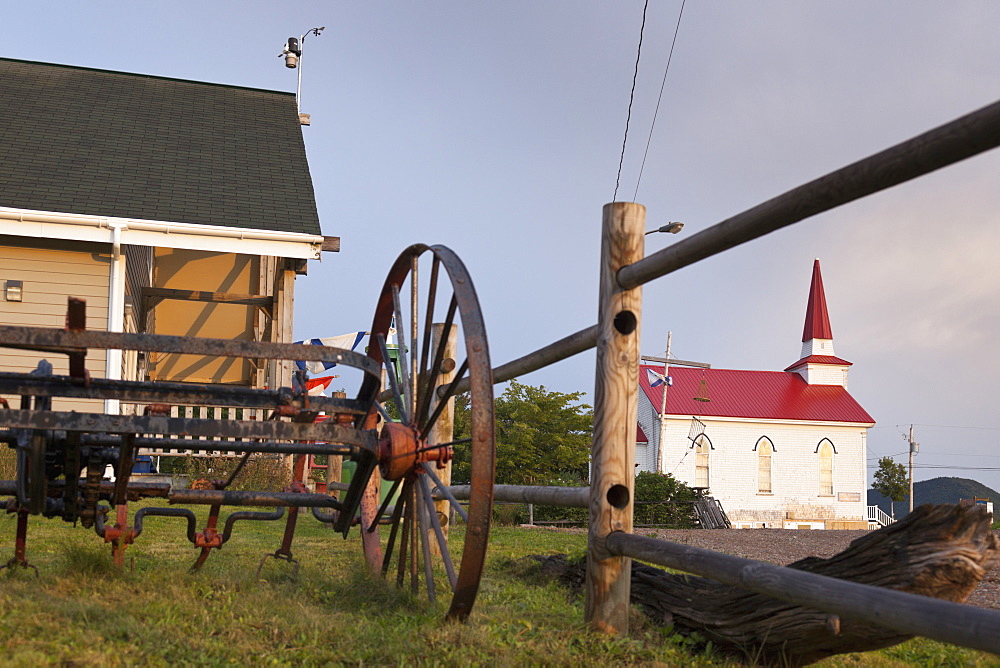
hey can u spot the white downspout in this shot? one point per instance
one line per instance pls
(116, 309)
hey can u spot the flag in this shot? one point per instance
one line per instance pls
(656, 379)
(345, 341)
(316, 386)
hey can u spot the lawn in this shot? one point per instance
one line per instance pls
(82, 611)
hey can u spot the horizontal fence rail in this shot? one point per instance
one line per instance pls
(907, 613)
(947, 144)
(568, 497)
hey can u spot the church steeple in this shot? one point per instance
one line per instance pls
(818, 365)
(817, 318)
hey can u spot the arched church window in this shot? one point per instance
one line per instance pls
(826, 451)
(764, 451)
(702, 446)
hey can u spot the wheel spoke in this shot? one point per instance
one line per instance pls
(396, 514)
(385, 415)
(425, 489)
(391, 373)
(407, 521)
(443, 399)
(425, 547)
(411, 398)
(404, 371)
(385, 504)
(435, 369)
(414, 582)
(441, 487)
(429, 321)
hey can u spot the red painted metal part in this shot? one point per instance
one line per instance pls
(773, 395)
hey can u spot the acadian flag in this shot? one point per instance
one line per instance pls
(656, 379)
(345, 341)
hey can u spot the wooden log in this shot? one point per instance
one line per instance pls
(612, 473)
(937, 551)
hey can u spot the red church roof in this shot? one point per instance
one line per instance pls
(640, 435)
(820, 359)
(767, 395)
(817, 319)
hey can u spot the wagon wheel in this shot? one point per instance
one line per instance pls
(416, 403)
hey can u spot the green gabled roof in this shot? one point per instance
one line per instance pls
(86, 141)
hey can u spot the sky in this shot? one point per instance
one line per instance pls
(497, 129)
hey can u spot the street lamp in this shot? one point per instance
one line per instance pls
(669, 228)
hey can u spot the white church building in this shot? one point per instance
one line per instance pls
(778, 449)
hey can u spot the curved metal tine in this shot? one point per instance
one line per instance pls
(423, 515)
(385, 504)
(425, 489)
(404, 370)
(435, 370)
(396, 513)
(391, 373)
(429, 320)
(443, 400)
(447, 494)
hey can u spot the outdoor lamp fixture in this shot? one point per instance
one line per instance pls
(670, 228)
(14, 291)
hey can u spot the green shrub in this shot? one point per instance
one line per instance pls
(661, 499)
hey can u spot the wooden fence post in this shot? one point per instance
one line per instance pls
(615, 416)
(443, 429)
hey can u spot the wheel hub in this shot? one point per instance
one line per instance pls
(402, 451)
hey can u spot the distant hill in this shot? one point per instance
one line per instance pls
(937, 490)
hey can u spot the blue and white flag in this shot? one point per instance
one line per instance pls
(345, 341)
(656, 379)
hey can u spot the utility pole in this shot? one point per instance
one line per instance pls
(665, 379)
(663, 406)
(914, 448)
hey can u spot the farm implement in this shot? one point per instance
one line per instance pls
(62, 455)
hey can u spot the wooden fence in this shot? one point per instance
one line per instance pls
(623, 271)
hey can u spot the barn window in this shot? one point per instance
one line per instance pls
(764, 451)
(702, 447)
(825, 468)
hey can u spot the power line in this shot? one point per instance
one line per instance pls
(631, 96)
(663, 83)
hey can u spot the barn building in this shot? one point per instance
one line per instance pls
(778, 449)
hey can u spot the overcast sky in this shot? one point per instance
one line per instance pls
(497, 130)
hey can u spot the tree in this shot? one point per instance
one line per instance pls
(891, 481)
(542, 437)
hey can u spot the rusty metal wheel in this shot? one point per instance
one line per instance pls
(418, 545)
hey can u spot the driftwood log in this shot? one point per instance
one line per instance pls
(940, 551)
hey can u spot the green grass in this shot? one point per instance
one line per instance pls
(83, 611)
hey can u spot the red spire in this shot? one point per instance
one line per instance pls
(817, 319)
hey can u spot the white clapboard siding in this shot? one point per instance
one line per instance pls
(50, 276)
